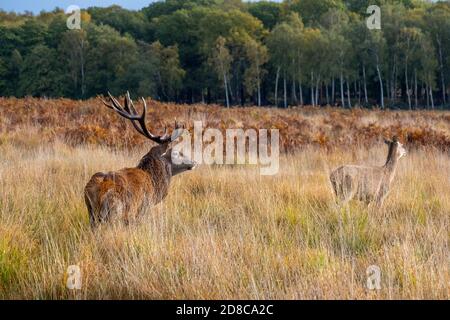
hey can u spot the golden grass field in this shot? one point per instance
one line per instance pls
(223, 232)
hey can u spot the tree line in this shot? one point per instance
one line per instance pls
(231, 52)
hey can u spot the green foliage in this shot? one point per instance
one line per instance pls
(169, 50)
(269, 13)
(312, 10)
(56, 30)
(39, 77)
(73, 49)
(122, 20)
(257, 54)
(112, 55)
(9, 40)
(31, 33)
(3, 72)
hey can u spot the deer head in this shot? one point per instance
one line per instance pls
(396, 149)
(174, 161)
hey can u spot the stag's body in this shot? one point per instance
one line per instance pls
(123, 195)
(367, 183)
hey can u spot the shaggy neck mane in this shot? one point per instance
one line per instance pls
(159, 170)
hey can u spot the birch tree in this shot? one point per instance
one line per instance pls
(280, 46)
(74, 46)
(221, 61)
(257, 55)
(377, 45)
(438, 23)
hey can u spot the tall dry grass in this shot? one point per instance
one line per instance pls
(224, 231)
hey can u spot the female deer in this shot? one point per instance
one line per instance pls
(367, 183)
(124, 194)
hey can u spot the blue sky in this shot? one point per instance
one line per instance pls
(48, 5)
(36, 6)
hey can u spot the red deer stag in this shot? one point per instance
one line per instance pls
(125, 194)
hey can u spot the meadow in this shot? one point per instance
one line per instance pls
(223, 232)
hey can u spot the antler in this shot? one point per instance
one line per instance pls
(129, 112)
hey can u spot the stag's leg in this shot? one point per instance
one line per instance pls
(91, 197)
(111, 208)
(92, 217)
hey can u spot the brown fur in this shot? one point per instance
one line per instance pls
(125, 194)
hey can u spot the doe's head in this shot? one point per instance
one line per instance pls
(396, 148)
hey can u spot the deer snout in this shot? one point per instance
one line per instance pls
(191, 165)
(404, 153)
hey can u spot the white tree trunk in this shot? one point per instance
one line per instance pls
(392, 82)
(431, 97)
(348, 94)
(225, 81)
(407, 85)
(441, 67)
(366, 100)
(342, 90)
(317, 91)
(301, 92)
(258, 80)
(259, 94)
(380, 80)
(333, 92)
(285, 89)
(415, 88)
(294, 92)
(276, 86)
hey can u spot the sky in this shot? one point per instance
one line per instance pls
(48, 5)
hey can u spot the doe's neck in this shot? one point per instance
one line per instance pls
(391, 161)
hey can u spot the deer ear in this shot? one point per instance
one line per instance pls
(167, 152)
(160, 149)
